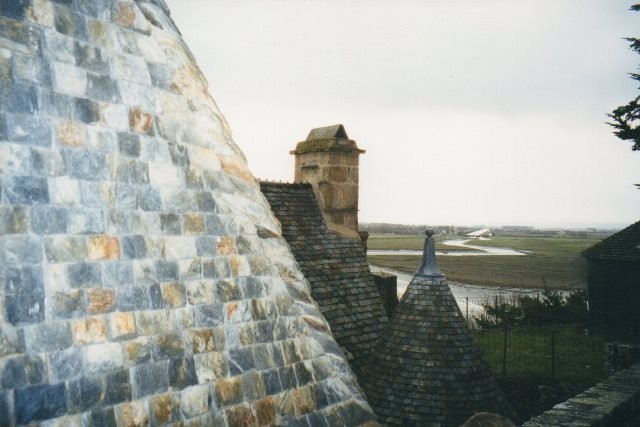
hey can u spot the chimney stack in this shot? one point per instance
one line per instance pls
(328, 160)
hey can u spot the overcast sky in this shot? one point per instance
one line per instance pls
(471, 112)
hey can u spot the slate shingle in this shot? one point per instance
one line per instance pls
(623, 245)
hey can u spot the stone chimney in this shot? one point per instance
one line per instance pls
(328, 160)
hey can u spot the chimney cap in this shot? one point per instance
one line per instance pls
(328, 132)
(327, 139)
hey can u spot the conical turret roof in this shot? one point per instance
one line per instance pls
(427, 369)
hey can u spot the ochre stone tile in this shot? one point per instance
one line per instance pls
(103, 247)
(101, 300)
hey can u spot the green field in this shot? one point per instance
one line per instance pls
(551, 262)
(579, 359)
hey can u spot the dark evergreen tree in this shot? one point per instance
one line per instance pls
(626, 118)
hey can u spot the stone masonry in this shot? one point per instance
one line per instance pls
(328, 160)
(143, 277)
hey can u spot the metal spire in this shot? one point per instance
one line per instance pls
(429, 267)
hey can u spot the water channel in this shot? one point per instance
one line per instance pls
(468, 297)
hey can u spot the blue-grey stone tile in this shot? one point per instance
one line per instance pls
(150, 378)
(160, 75)
(171, 223)
(50, 336)
(182, 373)
(241, 360)
(83, 164)
(156, 296)
(133, 247)
(206, 245)
(118, 387)
(133, 298)
(13, 374)
(271, 381)
(6, 409)
(193, 179)
(56, 104)
(102, 418)
(26, 190)
(129, 144)
(167, 346)
(209, 315)
(86, 110)
(66, 364)
(149, 199)
(47, 162)
(14, 9)
(24, 295)
(132, 171)
(29, 129)
(63, 20)
(126, 196)
(206, 202)
(84, 275)
(41, 402)
(166, 271)
(102, 88)
(31, 69)
(117, 274)
(48, 220)
(179, 155)
(23, 99)
(85, 221)
(85, 394)
(91, 194)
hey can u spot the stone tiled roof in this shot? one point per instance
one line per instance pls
(327, 132)
(336, 268)
(143, 279)
(623, 245)
(427, 368)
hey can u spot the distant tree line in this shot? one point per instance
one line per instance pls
(552, 308)
(383, 227)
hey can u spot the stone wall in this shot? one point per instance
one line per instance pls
(143, 277)
(614, 402)
(387, 285)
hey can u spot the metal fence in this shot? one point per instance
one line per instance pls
(544, 354)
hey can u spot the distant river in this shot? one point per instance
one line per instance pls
(479, 250)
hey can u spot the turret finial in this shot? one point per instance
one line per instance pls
(429, 266)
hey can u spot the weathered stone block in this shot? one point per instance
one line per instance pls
(24, 295)
(65, 304)
(87, 165)
(71, 134)
(164, 408)
(140, 121)
(68, 79)
(209, 315)
(84, 275)
(167, 346)
(150, 378)
(132, 414)
(103, 247)
(220, 268)
(102, 357)
(228, 391)
(194, 400)
(28, 129)
(114, 116)
(138, 350)
(241, 360)
(26, 190)
(133, 247)
(149, 199)
(65, 248)
(118, 387)
(182, 372)
(122, 325)
(85, 394)
(86, 110)
(240, 415)
(64, 191)
(48, 220)
(102, 88)
(166, 271)
(40, 402)
(132, 298)
(22, 371)
(49, 336)
(173, 294)
(103, 417)
(90, 330)
(271, 381)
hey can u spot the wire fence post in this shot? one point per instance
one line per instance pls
(553, 355)
(504, 350)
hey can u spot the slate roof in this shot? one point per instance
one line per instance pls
(336, 268)
(328, 132)
(623, 245)
(427, 368)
